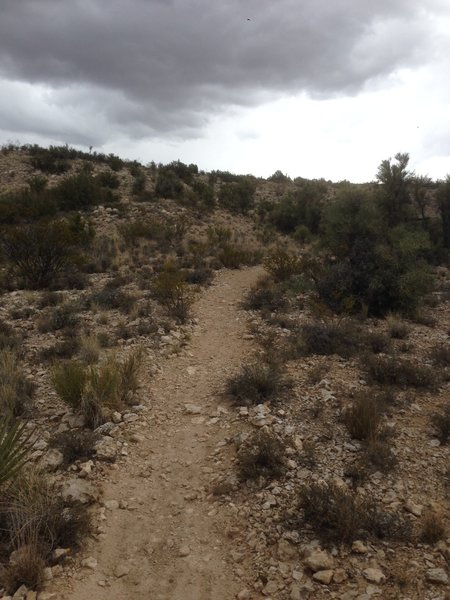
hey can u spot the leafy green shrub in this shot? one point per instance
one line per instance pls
(257, 383)
(38, 253)
(391, 370)
(261, 455)
(168, 185)
(300, 209)
(108, 179)
(16, 391)
(203, 194)
(50, 160)
(80, 192)
(283, 265)
(237, 197)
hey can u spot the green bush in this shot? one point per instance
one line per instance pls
(38, 253)
(168, 185)
(265, 295)
(302, 208)
(80, 192)
(237, 197)
(283, 265)
(171, 290)
(69, 381)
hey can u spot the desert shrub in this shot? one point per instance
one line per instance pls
(129, 371)
(440, 355)
(345, 339)
(377, 268)
(80, 192)
(362, 418)
(199, 276)
(37, 183)
(62, 317)
(441, 423)
(34, 511)
(237, 197)
(168, 185)
(50, 160)
(301, 208)
(27, 568)
(261, 455)
(203, 194)
(37, 253)
(234, 256)
(89, 349)
(257, 383)
(432, 528)
(14, 448)
(172, 291)
(69, 380)
(75, 445)
(8, 339)
(377, 452)
(398, 329)
(391, 370)
(111, 297)
(333, 512)
(50, 298)
(282, 265)
(62, 349)
(340, 515)
(103, 383)
(219, 235)
(16, 391)
(265, 295)
(108, 179)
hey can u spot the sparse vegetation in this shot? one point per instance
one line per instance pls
(261, 455)
(257, 383)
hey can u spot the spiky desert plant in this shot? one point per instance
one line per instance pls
(14, 446)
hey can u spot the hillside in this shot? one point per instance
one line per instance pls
(224, 386)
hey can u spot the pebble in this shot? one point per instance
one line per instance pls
(184, 551)
(324, 576)
(319, 561)
(89, 563)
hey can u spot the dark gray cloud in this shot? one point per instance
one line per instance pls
(149, 67)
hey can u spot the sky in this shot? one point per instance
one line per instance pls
(314, 88)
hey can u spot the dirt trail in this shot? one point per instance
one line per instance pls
(170, 542)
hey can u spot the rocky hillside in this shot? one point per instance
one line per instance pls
(222, 386)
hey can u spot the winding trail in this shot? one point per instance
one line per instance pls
(169, 541)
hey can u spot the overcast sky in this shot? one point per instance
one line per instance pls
(316, 88)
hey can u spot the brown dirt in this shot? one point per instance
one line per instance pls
(166, 480)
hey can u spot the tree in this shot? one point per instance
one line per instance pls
(443, 200)
(395, 198)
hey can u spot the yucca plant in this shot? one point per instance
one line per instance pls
(14, 446)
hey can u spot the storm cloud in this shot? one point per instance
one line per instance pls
(88, 71)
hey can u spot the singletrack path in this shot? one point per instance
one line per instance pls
(168, 540)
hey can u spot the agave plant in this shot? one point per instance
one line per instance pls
(14, 446)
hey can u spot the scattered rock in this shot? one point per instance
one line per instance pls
(323, 576)
(121, 570)
(319, 560)
(437, 575)
(192, 409)
(52, 459)
(106, 449)
(413, 508)
(89, 563)
(374, 575)
(359, 547)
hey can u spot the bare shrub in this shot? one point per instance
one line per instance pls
(362, 418)
(391, 370)
(257, 383)
(172, 291)
(261, 455)
(75, 445)
(16, 391)
(441, 424)
(432, 528)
